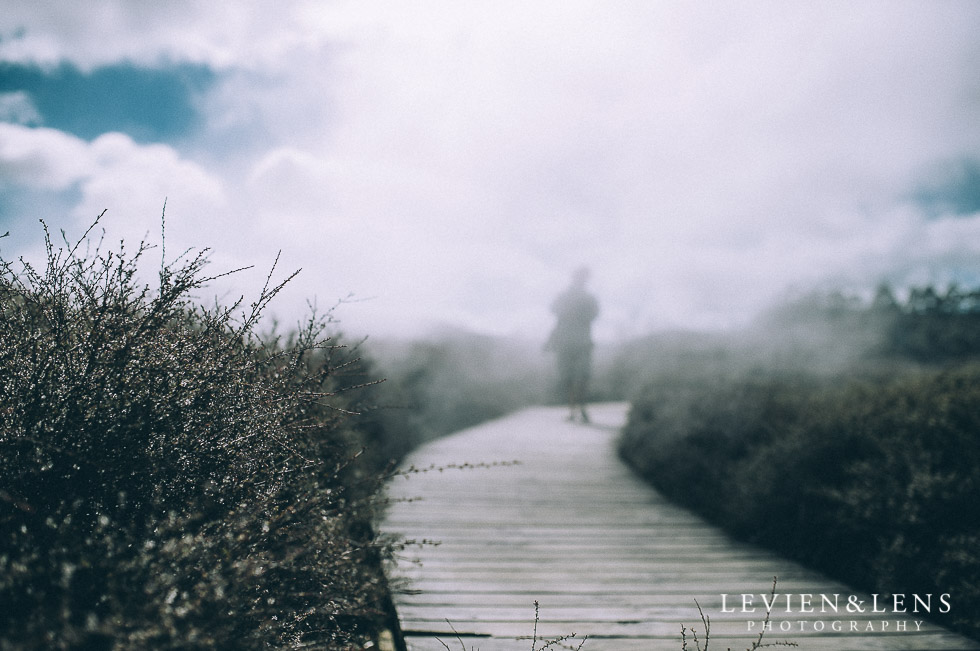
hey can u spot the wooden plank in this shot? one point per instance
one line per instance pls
(604, 555)
(595, 643)
(586, 611)
(729, 631)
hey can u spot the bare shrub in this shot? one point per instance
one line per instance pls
(170, 478)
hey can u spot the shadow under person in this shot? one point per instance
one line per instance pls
(571, 339)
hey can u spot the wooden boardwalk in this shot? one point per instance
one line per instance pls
(604, 555)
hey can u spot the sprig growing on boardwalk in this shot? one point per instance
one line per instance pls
(414, 470)
(560, 642)
(759, 643)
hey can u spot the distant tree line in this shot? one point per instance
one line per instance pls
(929, 325)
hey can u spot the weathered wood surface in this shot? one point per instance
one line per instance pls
(604, 555)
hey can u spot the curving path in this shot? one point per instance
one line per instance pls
(604, 554)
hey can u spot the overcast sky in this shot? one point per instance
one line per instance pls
(451, 163)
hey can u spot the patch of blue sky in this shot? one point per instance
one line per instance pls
(21, 209)
(955, 191)
(148, 104)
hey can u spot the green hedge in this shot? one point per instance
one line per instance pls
(170, 478)
(873, 480)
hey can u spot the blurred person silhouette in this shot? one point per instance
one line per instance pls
(571, 340)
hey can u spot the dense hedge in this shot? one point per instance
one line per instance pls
(170, 478)
(872, 479)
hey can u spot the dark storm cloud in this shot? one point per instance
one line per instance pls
(148, 104)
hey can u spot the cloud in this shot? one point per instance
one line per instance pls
(455, 162)
(242, 35)
(112, 172)
(133, 178)
(18, 108)
(41, 158)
